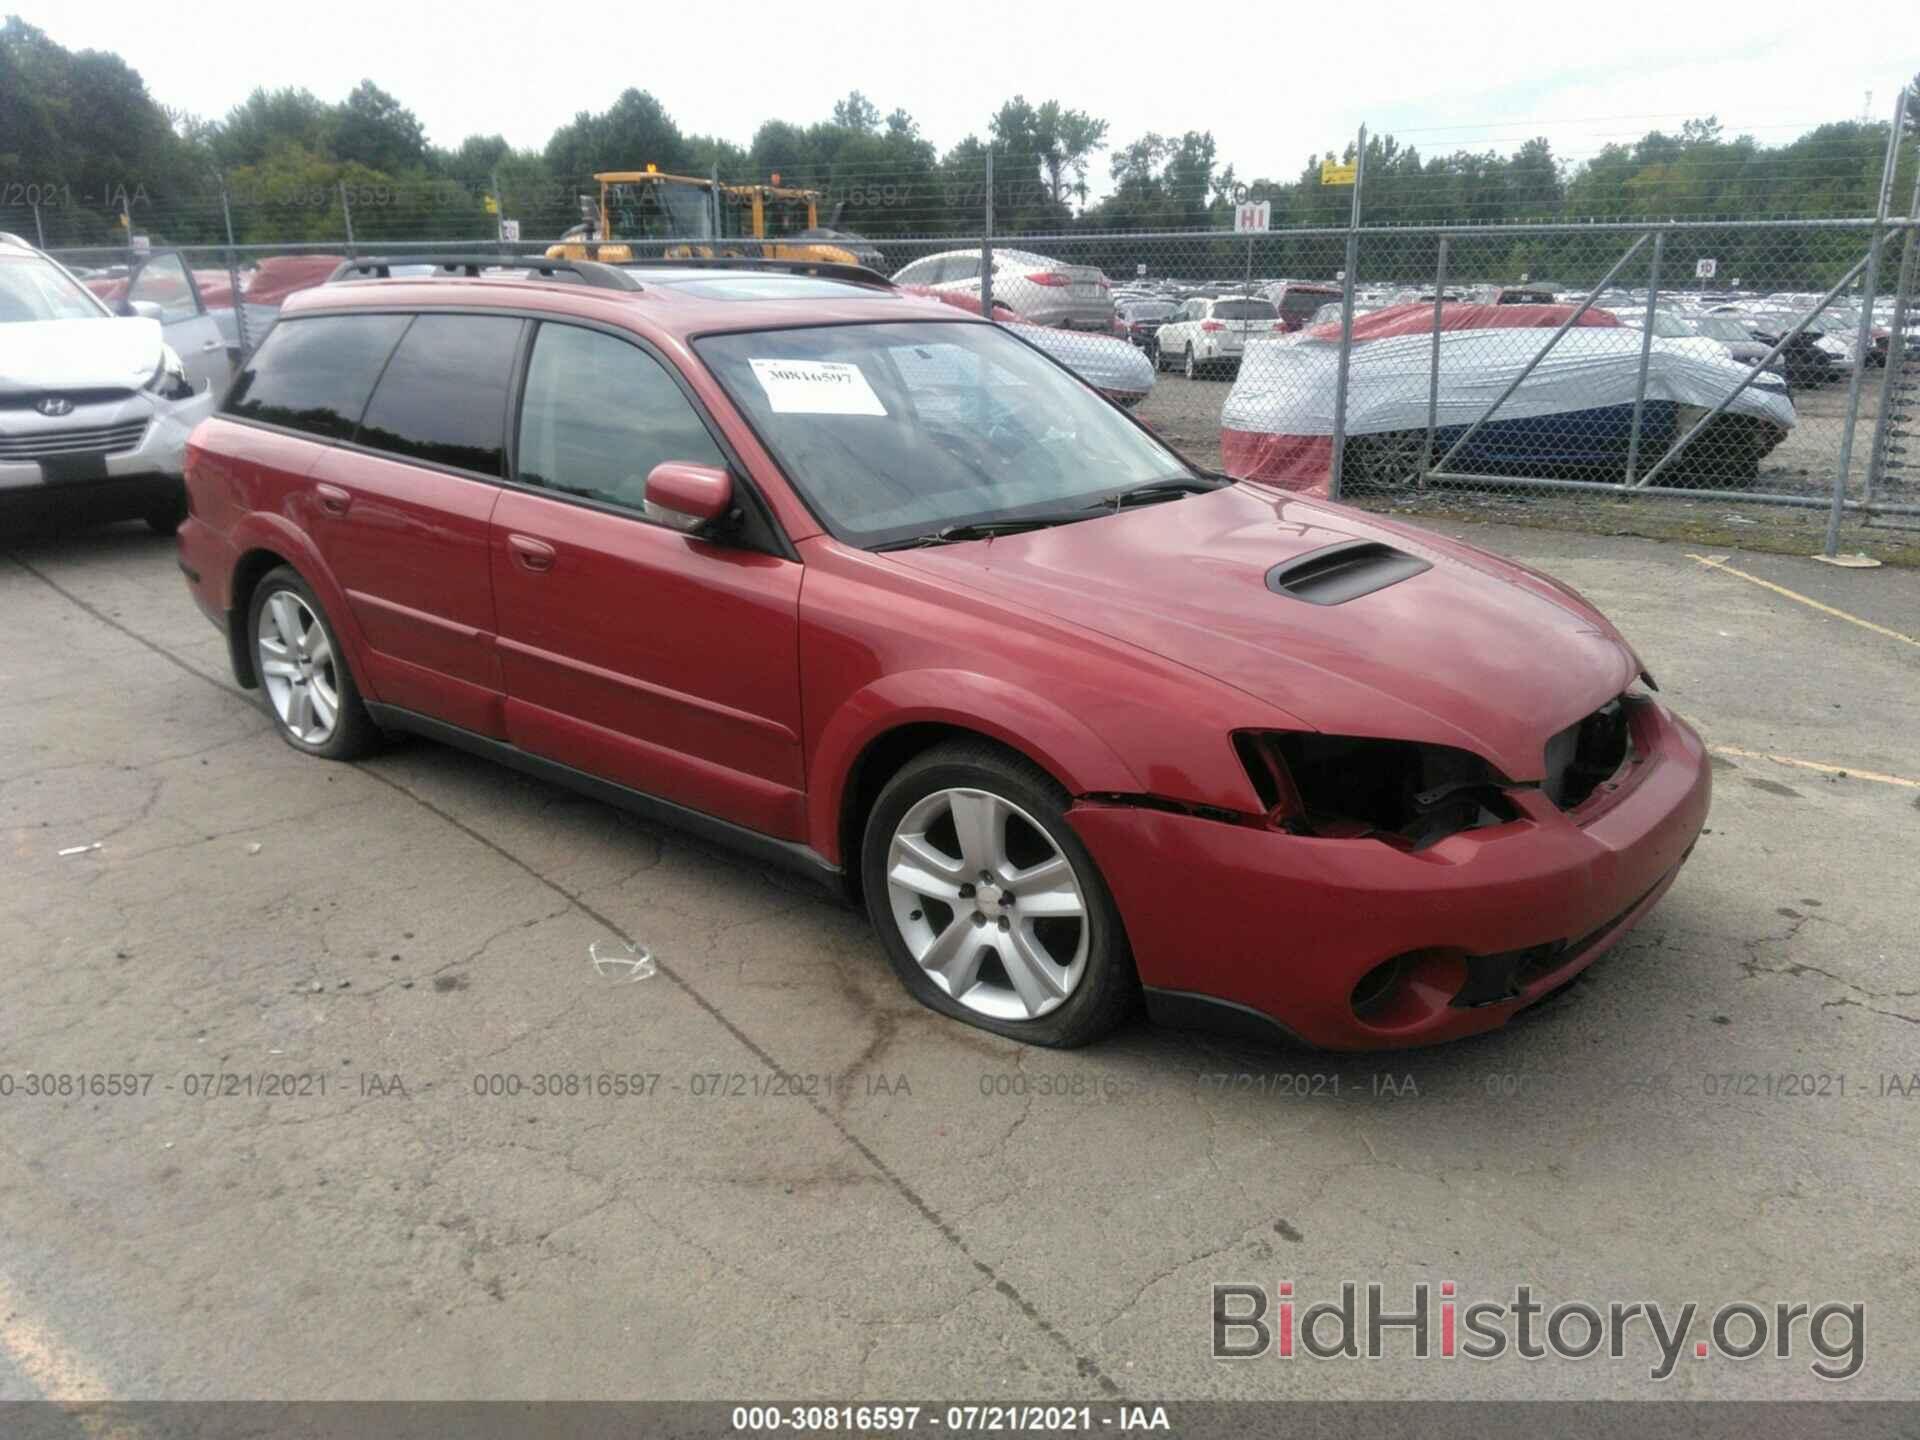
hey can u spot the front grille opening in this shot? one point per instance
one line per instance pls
(1414, 794)
(1587, 754)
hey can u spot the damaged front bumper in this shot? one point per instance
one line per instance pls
(1354, 944)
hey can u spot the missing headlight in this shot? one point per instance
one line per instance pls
(1350, 787)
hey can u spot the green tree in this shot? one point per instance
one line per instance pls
(375, 130)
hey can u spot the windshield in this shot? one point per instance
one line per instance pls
(1723, 327)
(659, 209)
(1670, 327)
(896, 430)
(33, 289)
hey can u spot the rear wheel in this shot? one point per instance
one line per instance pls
(303, 672)
(1192, 366)
(989, 907)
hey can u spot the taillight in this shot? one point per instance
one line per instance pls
(1211, 325)
(1280, 326)
(1049, 277)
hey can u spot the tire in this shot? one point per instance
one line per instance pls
(1061, 979)
(1192, 366)
(165, 519)
(286, 604)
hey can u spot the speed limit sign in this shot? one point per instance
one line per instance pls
(1704, 269)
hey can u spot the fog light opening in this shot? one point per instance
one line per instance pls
(1375, 989)
(1408, 991)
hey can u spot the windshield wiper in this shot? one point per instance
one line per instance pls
(984, 529)
(1171, 488)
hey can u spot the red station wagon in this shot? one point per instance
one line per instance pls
(873, 588)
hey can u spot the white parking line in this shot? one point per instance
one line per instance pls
(1719, 562)
(1847, 770)
(50, 1367)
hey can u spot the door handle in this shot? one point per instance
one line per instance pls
(532, 554)
(333, 499)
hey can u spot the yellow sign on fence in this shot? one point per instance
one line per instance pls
(1332, 173)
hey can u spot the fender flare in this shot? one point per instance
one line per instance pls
(1053, 738)
(258, 530)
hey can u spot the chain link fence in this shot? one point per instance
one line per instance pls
(1427, 368)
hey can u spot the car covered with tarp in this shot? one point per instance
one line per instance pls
(1571, 415)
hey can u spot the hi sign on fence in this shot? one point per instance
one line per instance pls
(1252, 215)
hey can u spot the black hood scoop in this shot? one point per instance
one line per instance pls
(1336, 574)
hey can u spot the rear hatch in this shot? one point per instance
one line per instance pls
(1243, 318)
(1085, 283)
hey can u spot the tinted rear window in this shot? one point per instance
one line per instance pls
(443, 396)
(1297, 304)
(315, 374)
(1243, 310)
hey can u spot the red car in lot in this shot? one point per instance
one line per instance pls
(876, 589)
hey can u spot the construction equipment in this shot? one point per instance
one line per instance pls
(707, 219)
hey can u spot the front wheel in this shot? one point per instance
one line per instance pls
(989, 907)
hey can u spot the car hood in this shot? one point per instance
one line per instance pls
(1475, 652)
(107, 353)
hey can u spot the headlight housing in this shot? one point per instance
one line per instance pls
(1406, 794)
(169, 379)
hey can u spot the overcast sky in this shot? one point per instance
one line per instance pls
(1273, 82)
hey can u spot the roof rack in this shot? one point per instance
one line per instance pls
(824, 269)
(588, 272)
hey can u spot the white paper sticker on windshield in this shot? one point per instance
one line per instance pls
(816, 387)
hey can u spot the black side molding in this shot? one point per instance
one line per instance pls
(786, 854)
(1335, 574)
(1188, 1010)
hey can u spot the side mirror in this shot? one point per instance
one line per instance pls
(145, 309)
(688, 496)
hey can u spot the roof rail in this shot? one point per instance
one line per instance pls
(8, 237)
(588, 272)
(825, 269)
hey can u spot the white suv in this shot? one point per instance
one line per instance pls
(1207, 337)
(95, 406)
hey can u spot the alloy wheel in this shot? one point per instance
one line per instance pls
(298, 667)
(988, 904)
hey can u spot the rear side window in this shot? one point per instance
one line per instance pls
(1299, 304)
(315, 374)
(599, 414)
(443, 395)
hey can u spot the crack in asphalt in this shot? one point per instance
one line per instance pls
(1084, 1365)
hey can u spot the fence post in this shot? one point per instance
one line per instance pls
(1433, 367)
(1896, 340)
(1338, 462)
(1863, 338)
(39, 230)
(499, 214)
(1646, 355)
(986, 248)
(233, 276)
(346, 213)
